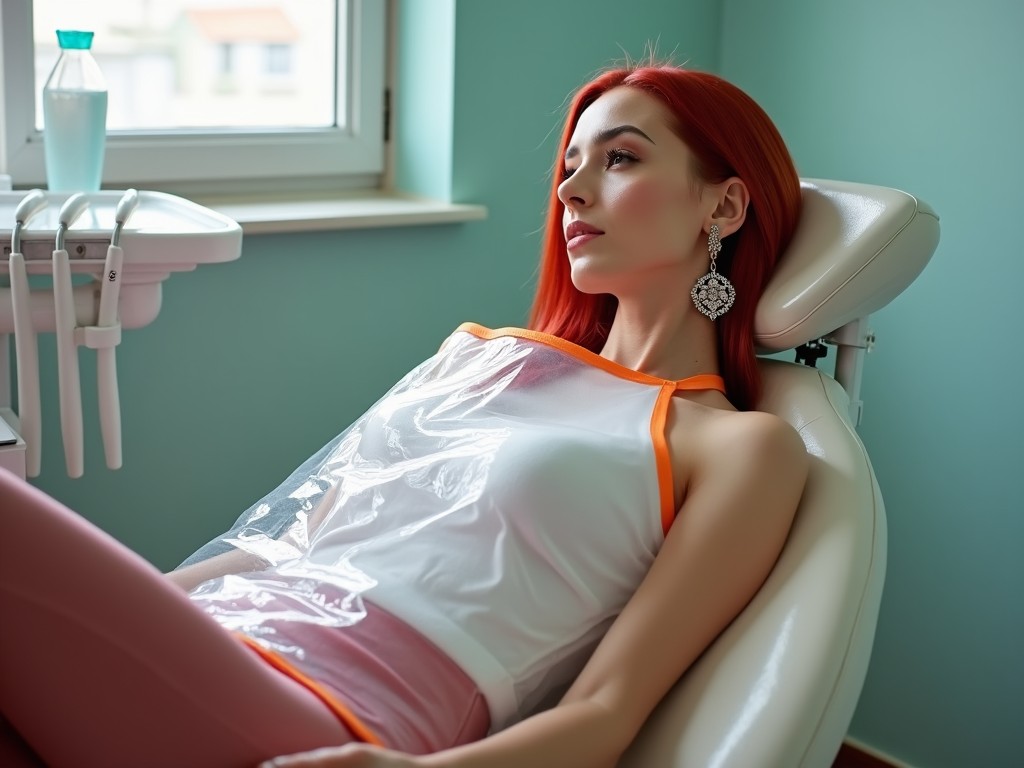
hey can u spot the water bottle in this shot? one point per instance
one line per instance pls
(74, 117)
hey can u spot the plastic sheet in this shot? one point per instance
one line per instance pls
(502, 499)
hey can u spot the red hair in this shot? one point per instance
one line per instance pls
(729, 135)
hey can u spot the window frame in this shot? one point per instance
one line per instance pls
(218, 161)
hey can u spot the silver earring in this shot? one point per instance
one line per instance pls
(713, 294)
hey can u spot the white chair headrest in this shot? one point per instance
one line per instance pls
(856, 248)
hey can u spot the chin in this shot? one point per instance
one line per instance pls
(590, 280)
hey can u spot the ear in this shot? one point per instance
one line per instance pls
(731, 211)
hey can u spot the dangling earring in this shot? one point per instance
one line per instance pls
(713, 294)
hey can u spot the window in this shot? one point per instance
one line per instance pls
(278, 59)
(210, 95)
(227, 58)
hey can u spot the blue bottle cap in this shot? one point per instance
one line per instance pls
(75, 39)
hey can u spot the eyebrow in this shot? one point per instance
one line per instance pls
(607, 135)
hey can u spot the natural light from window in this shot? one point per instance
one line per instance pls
(205, 95)
(181, 65)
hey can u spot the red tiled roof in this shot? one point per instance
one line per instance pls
(237, 25)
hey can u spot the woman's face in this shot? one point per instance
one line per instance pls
(633, 209)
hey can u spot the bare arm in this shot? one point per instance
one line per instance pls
(724, 543)
(233, 561)
(240, 561)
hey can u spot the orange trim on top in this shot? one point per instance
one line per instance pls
(700, 381)
(659, 416)
(659, 433)
(343, 713)
(662, 460)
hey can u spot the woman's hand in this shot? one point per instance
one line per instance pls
(348, 756)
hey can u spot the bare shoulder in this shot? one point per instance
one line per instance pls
(748, 448)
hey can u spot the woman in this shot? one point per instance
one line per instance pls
(560, 516)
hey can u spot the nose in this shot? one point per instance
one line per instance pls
(574, 192)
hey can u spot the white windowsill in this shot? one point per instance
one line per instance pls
(351, 210)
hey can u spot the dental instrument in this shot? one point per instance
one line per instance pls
(69, 383)
(106, 335)
(128, 242)
(26, 346)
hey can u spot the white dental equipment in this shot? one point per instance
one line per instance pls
(129, 242)
(106, 364)
(67, 354)
(779, 686)
(28, 355)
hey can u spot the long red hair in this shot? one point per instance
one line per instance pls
(729, 135)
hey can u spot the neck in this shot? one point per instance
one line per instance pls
(672, 342)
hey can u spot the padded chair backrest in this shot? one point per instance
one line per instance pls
(778, 688)
(855, 249)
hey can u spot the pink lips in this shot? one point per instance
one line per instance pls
(579, 232)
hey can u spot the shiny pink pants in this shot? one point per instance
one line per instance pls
(103, 662)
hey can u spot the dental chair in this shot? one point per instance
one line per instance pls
(779, 686)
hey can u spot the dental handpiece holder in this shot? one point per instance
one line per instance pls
(125, 243)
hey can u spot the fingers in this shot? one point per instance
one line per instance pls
(328, 757)
(348, 756)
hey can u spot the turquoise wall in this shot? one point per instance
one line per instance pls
(928, 97)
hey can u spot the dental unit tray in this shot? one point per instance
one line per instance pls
(129, 242)
(164, 234)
